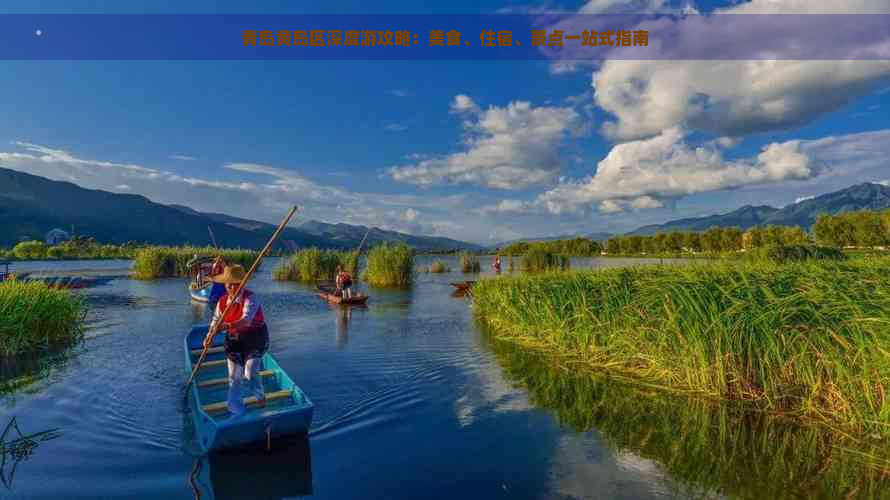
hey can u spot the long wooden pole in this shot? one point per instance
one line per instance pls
(210, 334)
(212, 238)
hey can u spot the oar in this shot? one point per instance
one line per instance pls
(212, 238)
(209, 338)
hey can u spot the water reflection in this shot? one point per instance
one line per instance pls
(16, 447)
(343, 316)
(23, 373)
(706, 450)
(283, 472)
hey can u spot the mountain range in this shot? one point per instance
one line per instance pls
(30, 206)
(865, 196)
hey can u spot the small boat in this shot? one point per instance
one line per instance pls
(464, 286)
(200, 293)
(288, 410)
(330, 296)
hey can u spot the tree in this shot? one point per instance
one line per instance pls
(30, 250)
(731, 239)
(712, 239)
(613, 246)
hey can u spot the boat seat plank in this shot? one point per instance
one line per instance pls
(249, 401)
(211, 364)
(212, 350)
(225, 380)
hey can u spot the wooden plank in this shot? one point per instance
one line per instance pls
(211, 364)
(251, 401)
(225, 380)
(212, 350)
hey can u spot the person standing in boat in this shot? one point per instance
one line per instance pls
(217, 290)
(497, 264)
(344, 283)
(247, 338)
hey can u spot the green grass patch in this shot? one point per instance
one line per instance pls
(539, 259)
(170, 262)
(33, 316)
(439, 267)
(313, 264)
(390, 266)
(794, 253)
(469, 263)
(808, 339)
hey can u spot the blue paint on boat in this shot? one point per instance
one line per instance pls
(283, 417)
(200, 294)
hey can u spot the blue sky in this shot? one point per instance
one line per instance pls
(481, 151)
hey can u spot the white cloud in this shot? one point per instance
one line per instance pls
(885, 182)
(734, 98)
(508, 148)
(395, 127)
(399, 93)
(641, 174)
(625, 7)
(123, 187)
(183, 157)
(803, 198)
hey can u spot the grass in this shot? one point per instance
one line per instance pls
(707, 450)
(439, 267)
(538, 259)
(390, 266)
(809, 340)
(313, 264)
(169, 262)
(469, 263)
(33, 316)
(791, 253)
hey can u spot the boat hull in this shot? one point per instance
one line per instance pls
(336, 299)
(218, 431)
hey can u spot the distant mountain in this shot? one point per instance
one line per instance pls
(865, 196)
(30, 206)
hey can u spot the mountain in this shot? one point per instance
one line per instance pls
(865, 196)
(30, 206)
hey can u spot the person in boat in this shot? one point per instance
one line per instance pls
(497, 263)
(247, 338)
(218, 289)
(344, 283)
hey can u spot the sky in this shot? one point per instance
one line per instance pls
(481, 151)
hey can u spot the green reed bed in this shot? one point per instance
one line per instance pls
(313, 264)
(33, 316)
(793, 253)
(390, 266)
(809, 340)
(539, 259)
(438, 267)
(170, 262)
(469, 263)
(708, 450)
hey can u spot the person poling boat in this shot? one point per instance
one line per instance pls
(497, 263)
(247, 338)
(344, 283)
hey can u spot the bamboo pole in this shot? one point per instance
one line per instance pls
(213, 329)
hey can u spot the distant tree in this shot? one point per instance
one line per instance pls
(731, 239)
(673, 242)
(692, 241)
(712, 240)
(30, 250)
(613, 245)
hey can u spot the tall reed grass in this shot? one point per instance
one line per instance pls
(469, 263)
(539, 259)
(439, 267)
(169, 262)
(33, 316)
(807, 340)
(790, 253)
(708, 450)
(390, 266)
(313, 264)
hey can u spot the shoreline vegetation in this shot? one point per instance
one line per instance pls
(314, 264)
(34, 316)
(390, 266)
(172, 262)
(801, 339)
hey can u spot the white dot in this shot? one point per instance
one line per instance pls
(38, 32)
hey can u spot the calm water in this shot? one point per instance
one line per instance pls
(412, 401)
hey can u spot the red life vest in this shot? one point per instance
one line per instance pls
(237, 311)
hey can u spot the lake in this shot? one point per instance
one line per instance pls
(412, 400)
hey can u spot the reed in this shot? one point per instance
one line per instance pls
(439, 267)
(169, 262)
(789, 253)
(708, 450)
(33, 316)
(807, 339)
(539, 259)
(313, 264)
(390, 266)
(469, 263)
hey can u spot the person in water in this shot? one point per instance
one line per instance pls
(344, 283)
(247, 338)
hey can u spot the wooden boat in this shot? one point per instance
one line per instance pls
(200, 293)
(329, 295)
(464, 286)
(288, 410)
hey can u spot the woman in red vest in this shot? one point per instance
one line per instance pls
(247, 338)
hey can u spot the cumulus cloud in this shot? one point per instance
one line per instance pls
(182, 157)
(395, 127)
(507, 148)
(643, 174)
(734, 98)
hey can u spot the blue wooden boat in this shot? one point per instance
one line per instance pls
(288, 410)
(209, 293)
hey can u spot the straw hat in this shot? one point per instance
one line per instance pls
(231, 274)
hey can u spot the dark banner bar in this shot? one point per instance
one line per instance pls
(445, 37)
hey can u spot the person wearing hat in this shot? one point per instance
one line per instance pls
(247, 338)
